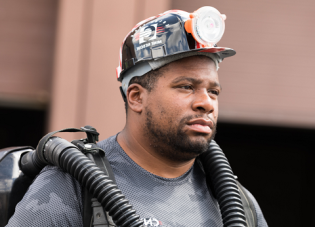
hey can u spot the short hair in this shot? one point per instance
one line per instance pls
(147, 81)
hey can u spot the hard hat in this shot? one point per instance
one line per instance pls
(170, 36)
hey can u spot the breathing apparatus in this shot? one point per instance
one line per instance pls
(76, 158)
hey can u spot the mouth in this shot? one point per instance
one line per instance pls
(201, 125)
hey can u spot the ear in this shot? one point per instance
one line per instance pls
(135, 97)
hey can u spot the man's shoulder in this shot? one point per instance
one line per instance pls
(54, 181)
(109, 143)
(54, 198)
(110, 146)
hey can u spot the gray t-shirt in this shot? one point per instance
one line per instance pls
(54, 199)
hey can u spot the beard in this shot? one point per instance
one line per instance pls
(172, 142)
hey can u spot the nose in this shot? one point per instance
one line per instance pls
(203, 102)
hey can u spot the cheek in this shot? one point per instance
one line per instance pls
(170, 108)
(176, 103)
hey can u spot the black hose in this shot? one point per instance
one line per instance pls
(60, 152)
(54, 150)
(220, 180)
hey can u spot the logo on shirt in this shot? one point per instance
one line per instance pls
(148, 222)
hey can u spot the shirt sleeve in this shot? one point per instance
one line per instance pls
(260, 217)
(54, 199)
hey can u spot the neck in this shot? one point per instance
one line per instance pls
(141, 151)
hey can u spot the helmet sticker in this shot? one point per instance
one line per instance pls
(147, 33)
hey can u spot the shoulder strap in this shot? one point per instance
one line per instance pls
(93, 212)
(87, 211)
(249, 208)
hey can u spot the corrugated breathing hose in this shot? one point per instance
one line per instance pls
(221, 181)
(60, 152)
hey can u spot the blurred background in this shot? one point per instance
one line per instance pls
(57, 70)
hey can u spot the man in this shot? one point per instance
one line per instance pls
(170, 85)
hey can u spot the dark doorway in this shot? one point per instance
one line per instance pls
(276, 164)
(21, 127)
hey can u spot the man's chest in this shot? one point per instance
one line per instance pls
(167, 203)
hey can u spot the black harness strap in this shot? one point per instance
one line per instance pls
(87, 211)
(102, 162)
(250, 211)
(249, 208)
(99, 217)
(93, 212)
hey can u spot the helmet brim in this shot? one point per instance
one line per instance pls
(223, 52)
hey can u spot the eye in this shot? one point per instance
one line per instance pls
(187, 87)
(214, 92)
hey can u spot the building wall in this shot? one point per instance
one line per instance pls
(27, 37)
(70, 68)
(270, 80)
(89, 35)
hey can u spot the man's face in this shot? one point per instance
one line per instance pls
(182, 109)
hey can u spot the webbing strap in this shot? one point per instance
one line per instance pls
(87, 210)
(249, 208)
(99, 217)
(93, 213)
(102, 162)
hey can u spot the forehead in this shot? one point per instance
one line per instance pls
(199, 67)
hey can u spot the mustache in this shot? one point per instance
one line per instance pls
(188, 118)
